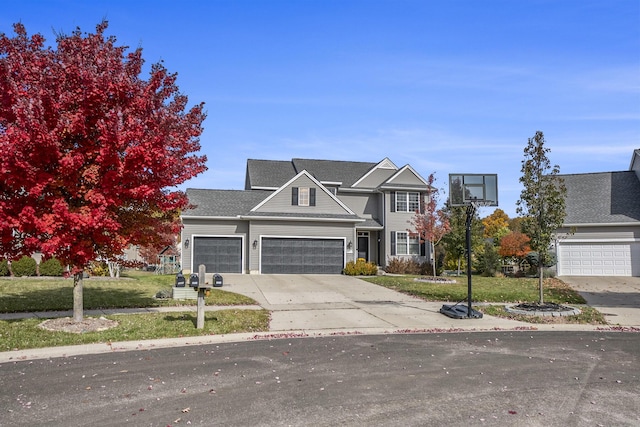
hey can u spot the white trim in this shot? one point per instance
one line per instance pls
(603, 224)
(234, 236)
(226, 218)
(338, 183)
(405, 168)
(383, 164)
(264, 188)
(597, 241)
(315, 181)
(275, 236)
(289, 218)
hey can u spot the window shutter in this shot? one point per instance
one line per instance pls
(294, 196)
(393, 243)
(312, 196)
(423, 248)
(393, 203)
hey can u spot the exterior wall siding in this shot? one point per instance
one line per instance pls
(364, 205)
(281, 202)
(376, 177)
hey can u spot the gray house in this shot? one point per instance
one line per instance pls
(604, 208)
(304, 216)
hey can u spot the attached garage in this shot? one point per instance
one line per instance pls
(218, 254)
(599, 259)
(282, 255)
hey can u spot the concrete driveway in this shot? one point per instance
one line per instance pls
(618, 298)
(317, 302)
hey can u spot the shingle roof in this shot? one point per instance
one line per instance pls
(268, 173)
(334, 170)
(275, 173)
(223, 202)
(602, 198)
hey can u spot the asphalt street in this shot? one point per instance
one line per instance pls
(524, 378)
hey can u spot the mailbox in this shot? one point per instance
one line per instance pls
(180, 280)
(217, 280)
(194, 281)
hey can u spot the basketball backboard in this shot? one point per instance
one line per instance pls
(467, 189)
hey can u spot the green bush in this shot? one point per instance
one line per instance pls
(51, 267)
(4, 268)
(360, 268)
(25, 266)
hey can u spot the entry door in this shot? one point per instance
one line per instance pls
(363, 245)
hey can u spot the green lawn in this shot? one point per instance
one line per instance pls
(25, 333)
(135, 289)
(484, 289)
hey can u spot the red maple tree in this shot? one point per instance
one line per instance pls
(429, 223)
(515, 245)
(91, 152)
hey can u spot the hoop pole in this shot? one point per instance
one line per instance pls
(470, 212)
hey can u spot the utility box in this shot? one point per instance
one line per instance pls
(180, 280)
(217, 280)
(194, 281)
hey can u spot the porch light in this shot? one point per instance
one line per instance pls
(349, 245)
(254, 244)
(186, 243)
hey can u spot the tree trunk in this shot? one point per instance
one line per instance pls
(78, 309)
(433, 259)
(540, 281)
(459, 261)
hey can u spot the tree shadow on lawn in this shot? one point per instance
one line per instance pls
(61, 299)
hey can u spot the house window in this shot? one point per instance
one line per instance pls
(407, 201)
(407, 245)
(303, 196)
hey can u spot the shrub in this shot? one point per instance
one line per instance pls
(407, 266)
(4, 267)
(25, 266)
(51, 267)
(97, 268)
(360, 268)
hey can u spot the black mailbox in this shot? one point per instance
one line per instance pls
(180, 280)
(217, 280)
(194, 281)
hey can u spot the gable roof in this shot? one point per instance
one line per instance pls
(602, 198)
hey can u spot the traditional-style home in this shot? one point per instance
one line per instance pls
(604, 210)
(304, 216)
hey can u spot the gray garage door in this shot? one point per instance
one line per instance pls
(218, 254)
(302, 256)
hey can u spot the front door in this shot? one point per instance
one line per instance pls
(363, 245)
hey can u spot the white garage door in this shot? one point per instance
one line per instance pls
(597, 259)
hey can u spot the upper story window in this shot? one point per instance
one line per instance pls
(303, 196)
(407, 201)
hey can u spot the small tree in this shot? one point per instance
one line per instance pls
(514, 245)
(542, 201)
(496, 225)
(429, 223)
(91, 152)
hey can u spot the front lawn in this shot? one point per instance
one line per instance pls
(484, 289)
(22, 334)
(135, 289)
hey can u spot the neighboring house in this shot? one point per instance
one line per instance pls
(604, 208)
(304, 216)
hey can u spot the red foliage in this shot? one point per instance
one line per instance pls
(430, 224)
(90, 150)
(514, 244)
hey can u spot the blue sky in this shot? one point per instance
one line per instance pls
(446, 86)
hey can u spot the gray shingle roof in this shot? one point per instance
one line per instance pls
(268, 173)
(223, 202)
(334, 170)
(602, 198)
(275, 173)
